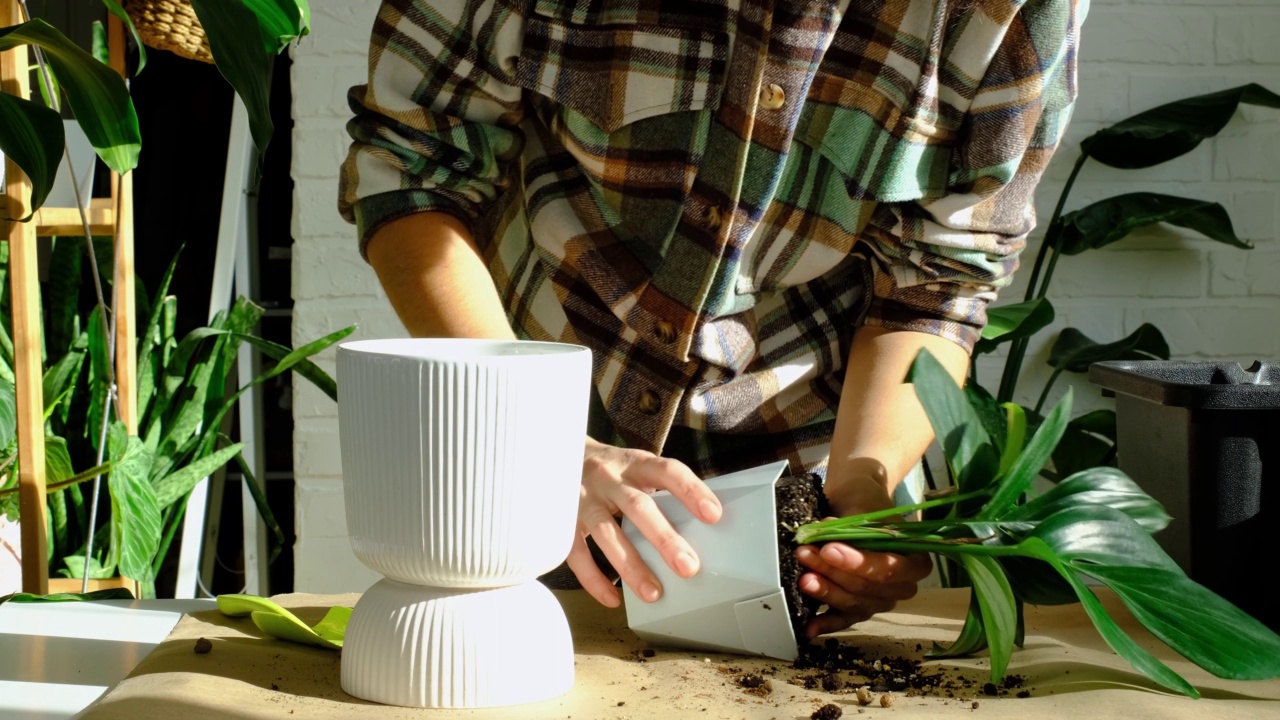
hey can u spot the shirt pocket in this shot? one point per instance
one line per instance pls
(615, 65)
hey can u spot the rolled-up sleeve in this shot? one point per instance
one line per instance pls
(940, 261)
(433, 129)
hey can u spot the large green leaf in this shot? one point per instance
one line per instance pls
(244, 38)
(972, 637)
(1011, 322)
(98, 96)
(1074, 351)
(994, 419)
(1195, 621)
(1088, 442)
(1099, 535)
(999, 612)
(32, 136)
(1108, 221)
(305, 368)
(1106, 486)
(135, 515)
(1125, 647)
(1030, 461)
(1165, 132)
(968, 448)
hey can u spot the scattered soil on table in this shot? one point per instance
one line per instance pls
(830, 711)
(203, 645)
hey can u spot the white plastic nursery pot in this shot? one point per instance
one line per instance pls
(462, 462)
(735, 603)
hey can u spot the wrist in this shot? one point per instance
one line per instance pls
(853, 493)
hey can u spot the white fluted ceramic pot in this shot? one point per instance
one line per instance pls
(461, 465)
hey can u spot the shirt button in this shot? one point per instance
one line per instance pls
(665, 331)
(650, 403)
(711, 218)
(772, 97)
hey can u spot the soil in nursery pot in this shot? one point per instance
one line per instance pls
(799, 500)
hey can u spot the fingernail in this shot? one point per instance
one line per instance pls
(710, 511)
(686, 564)
(649, 591)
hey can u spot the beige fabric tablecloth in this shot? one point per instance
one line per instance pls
(1069, 672)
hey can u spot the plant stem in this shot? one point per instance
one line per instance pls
(1044, 394)
(1052, 241)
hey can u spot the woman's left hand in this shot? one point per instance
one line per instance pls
(855, 584)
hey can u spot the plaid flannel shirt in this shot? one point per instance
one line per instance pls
(713, 194)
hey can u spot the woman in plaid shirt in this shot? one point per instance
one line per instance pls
(754, 212)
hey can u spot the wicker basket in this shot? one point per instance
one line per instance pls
(170, 25)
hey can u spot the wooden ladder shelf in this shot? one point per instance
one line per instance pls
(112, 217)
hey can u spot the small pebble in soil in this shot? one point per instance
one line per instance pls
(974, 706)
(621, 703)
(203, 646)
(755, 684)
(886, 700)
(1024, 693)
(830, 711)
(864, 696)
(648, 652)
(990, 689)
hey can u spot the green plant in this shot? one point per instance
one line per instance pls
(1095, 524)
(181, 394)
(1142, 141)
(182, 400)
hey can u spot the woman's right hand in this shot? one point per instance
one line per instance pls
(618, 481)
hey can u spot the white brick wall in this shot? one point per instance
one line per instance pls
(1211, 301)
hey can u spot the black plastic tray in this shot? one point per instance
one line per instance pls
(1195, 385)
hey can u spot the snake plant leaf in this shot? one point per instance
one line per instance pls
(1108, 221)
(32, 136)
(135, 515)
(1074, 351)
(98, 96)
(999, 611)
(8, 414)
(177, 484)
(968, 448)
(1194, 620)
(244, 38)
(116, 9)
(1168, 131)
(1030, 461)
(1012, 322)
(333, 626)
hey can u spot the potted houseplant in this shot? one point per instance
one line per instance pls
(1093, 526)
(182, 399)
(178, 441)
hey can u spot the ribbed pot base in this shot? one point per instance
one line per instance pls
(418, 646)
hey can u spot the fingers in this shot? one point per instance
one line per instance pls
(856, 585)
(881, 568)
(651, 473)
(621, 554)
(588, 573)
(640, 508)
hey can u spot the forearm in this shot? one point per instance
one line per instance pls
(881, 428)
(435, 278)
